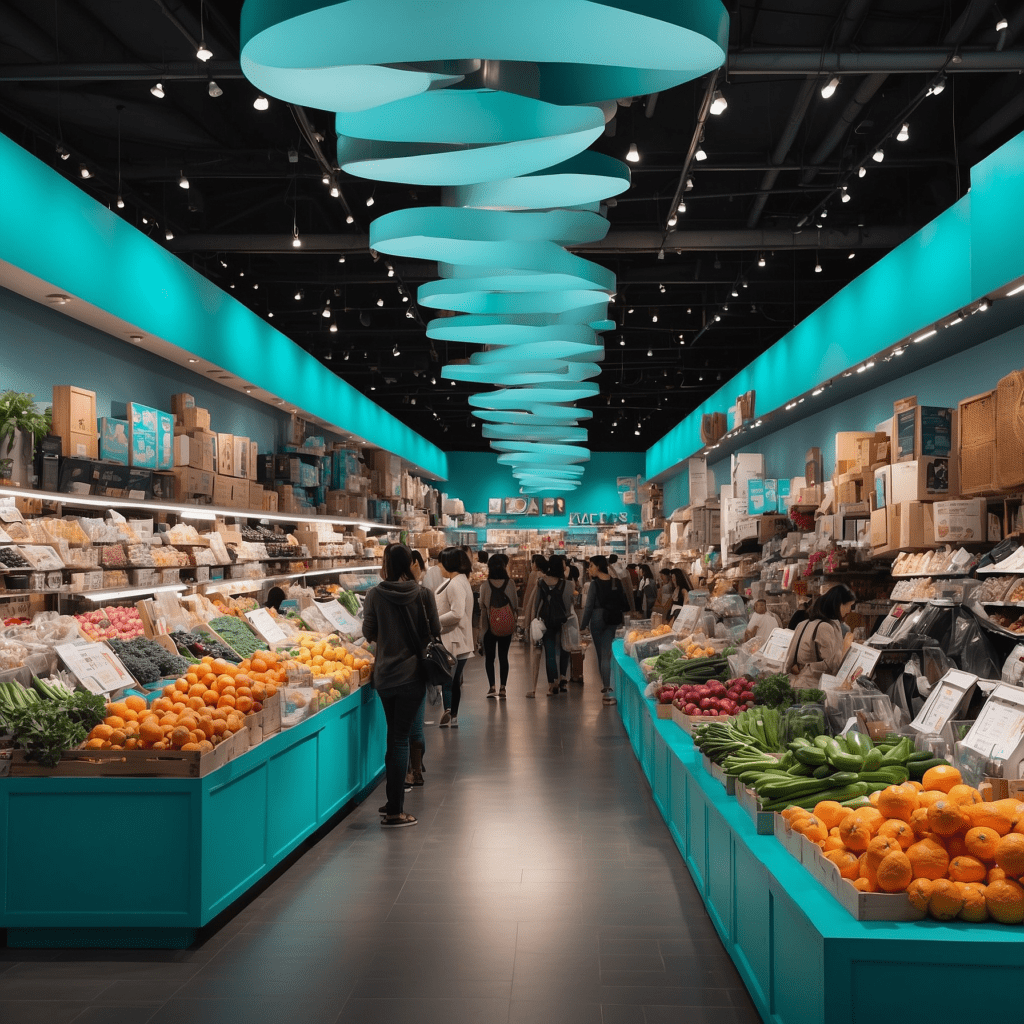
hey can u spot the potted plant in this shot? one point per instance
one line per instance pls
(19, 419)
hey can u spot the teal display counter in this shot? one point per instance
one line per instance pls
(146, 862)
(802, 956)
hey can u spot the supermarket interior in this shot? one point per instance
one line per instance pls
(670, 354)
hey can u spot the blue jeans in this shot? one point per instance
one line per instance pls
(556, 659)
(401, 704)
(451, 692)
(603, 636)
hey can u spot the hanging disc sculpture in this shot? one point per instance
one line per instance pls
(497, 103)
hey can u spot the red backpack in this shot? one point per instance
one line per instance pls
(501, 620)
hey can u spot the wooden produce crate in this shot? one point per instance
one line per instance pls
(663, 711)
(764, 821)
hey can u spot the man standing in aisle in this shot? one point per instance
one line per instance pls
(761, 624)
(616, 569)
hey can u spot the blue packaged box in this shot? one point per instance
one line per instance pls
(762, 496)
(114, 441)
(164, 440)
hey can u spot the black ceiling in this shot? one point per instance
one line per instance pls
(76, 73)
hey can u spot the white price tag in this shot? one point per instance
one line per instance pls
(687, 618)
(859, 656)
(95, 666)
(998, 733)
(264, 623)
(952, 690)
(778, 644)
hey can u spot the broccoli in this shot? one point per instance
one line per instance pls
(147, 660)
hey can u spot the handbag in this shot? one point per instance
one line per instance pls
(571, 634)
(438, 662)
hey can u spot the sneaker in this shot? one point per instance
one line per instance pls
(501, 694)
(454, 723)
(445, 719)
(492, 694)
(608, 700)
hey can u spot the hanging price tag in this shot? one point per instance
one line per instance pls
(95, 666)
(949, 693)
(266, 625)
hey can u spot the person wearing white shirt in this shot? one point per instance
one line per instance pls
(761, 623)
(455, 612)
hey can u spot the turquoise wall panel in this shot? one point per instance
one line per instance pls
(61, 235)
(997, 218)
(677, 811)
(697, 834)
(798, 965)
(40, 347)
(234, 837)
(291, 797)
(719, 894)
(752, 922)
(661, 781)
(48, 877)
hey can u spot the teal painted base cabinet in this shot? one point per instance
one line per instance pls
(802, 956)
(195, 845)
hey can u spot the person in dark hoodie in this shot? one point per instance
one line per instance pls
(400, 617)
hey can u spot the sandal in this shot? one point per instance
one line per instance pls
(397, 821)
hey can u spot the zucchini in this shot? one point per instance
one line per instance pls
(891, 775)
(918, 768)
(858, 743)
(822, 742)
(798, 770)
(873, 760)
(823, 772)
(848, 762)
(899, 753)
(920, 755)
(813, 756)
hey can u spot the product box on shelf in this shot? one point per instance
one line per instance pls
(190, 419)
(931, 479)
(922, 431)
(911, 525)
(74, 421)
(240, 457)
(114, 440)
(192, 482)
(195, 450)
(270, 500)
(883, 486)
(222, 490)
(76, 476)
(959, 522)
(181, 402)
(745, 466)
(851, 445)
(880, 528)
(240, 493)
(165, 487)
(255, 497)
(224, 455)
(977, 437)
(250, 468)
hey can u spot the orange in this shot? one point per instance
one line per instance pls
(183, 684)
(873, 798)
(1004, 900)
(899, 830)
(190, 746)
(221, 665)
(871, 817)
(989, 815)
(134, 703)
(975, 908)
(1010, 854)
(196, 703)
(179, 736)
(833, 843)
(962, 794)
(929, 859)
(878, 849)
(919, 892)
(946, 818)
(244, 704)
(226, 701)
(117, 738)
(1012, 808)
(895, 872)
(196, 690)
(848, 863)
(995, 875)
(854, 833)
(210, 697)
(919, 823)
(101, 732)
(955, 845)
(945, 901)
(942, 776)
(150, 732)
(929, 796)
(981, 843)
(169, 690)
(967, 869)
(117, 709)
(864, 884)
(114, 721)
(914, 785)
(95, 743)
(897, 802)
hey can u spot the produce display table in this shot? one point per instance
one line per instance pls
(114, 862)
(802, 956)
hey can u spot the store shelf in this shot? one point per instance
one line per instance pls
(186, 511)
(261, 580)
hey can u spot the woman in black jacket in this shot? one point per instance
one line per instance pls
(400, 616)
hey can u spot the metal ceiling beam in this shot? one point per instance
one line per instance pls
(885, 237)
(162, 71)
(874, 62)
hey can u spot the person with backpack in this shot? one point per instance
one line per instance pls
(606, 602)
(499, 612)
(552, 605)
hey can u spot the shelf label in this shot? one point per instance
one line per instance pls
(264, 623)
(998, 733)
(95, 666)
(778, 644)
(859, 656)
(952, 690)
(687, 618)
(339, 617)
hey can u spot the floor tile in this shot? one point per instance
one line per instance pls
(123, 1013)
(38, 1011)
(424, 1011)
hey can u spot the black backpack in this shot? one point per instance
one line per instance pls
(552, 608)
(615, 603)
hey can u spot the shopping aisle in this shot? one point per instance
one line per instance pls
(540, 887)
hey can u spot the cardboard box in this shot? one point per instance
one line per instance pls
(976, 422)
(959, 522)
(77, 476)
(770, 527)
(922, 431)
(745, 467)
(165, 487)
(848, 488)
(240, 457)
(254, 451)
(269, 500)
(74, 421)
(762, 497)
(813, 472)
(222, 490)
(191, 419)
(911, 525)
(1010, 431)
(883, 486)
(240, 493)
(923, 480)
(880, 528)
(202, 450)
(144, 437)
(224, 455)
(182, 450)
(181, 402)
(873, 450)
(114, 441)
(190, 483)
(848, 446)
(255, 495)
(164, 440)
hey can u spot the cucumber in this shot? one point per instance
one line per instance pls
(848, 762)
(873, 760)
(891, 775)
(920, 755)
(918, 768)
(813, 756)
(822, 742)
(822, 772)
(858, 743)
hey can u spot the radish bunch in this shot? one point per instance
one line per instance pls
(111, 623)
(712, 699)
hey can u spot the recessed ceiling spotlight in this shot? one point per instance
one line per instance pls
(193, 360)
(136, 338)
(341, 259)
(158, 90)
(58, 299)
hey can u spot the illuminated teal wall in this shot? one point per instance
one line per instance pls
(61, 235)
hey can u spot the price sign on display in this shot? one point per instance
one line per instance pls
(861, 657)
(687, 619)
(778, 644)
(339, 618)
(266, 625)
(95, 666)
(998, 733)
(952, 690)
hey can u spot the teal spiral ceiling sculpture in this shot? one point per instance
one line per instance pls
(496, 103)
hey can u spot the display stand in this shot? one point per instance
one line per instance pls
(802, 956)
(191, 846)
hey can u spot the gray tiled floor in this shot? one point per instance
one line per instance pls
(540, 887)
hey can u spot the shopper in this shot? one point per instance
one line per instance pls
(433, 578)
(663, 605)
(618, 570)
(818, 645)
(603, 614)
(540, 566)
(419, 567)
(647, 591)
(680, 588)
(499, 611)
(800, 615)
(552, 604)
(275, 598)
(455, 610)
(417, 734)
(761, 623)
(400, 617)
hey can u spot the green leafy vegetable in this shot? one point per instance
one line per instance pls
(810, 696)
(774, 691)
(49, 727)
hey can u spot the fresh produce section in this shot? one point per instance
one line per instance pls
(199, 645)
(237, 635)
(147, 660)
(111, 623)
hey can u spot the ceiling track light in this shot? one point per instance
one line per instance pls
(350, 219)
(700, 156)
(335, 191)
(395, 351)
(673, 221)
(1016, 291)
(817, 268)
(158, 90)
(927, 334)
(904, 133)
(828, 90)
(84, 171)
(380, 303)
(204, 53)
(938, 87)
(182, 180)
(214, 89)
(633, 156)
(1002, 25)
(261, 103)
(718, 103)
(846, 197)
(879, 155)
(760, 261)
(333, 328)
(120, 203)
(168, 234)
(862, 172)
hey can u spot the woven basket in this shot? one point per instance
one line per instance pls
(977, 424)
(1010, 430)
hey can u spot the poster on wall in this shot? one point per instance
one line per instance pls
(533, 507)
(515, 506)
(549, 506)
(494, 506)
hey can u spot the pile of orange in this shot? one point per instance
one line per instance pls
(195, 712)
(328, 657)
(950, 851)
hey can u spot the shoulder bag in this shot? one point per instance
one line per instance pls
(438, 663)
